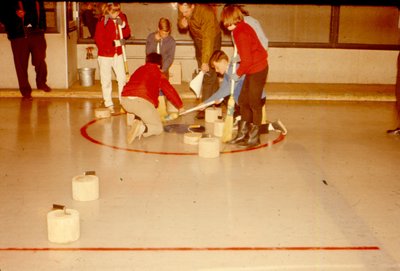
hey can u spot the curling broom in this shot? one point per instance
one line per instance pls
(124, 54)
(228, 124)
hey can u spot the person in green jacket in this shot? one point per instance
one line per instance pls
(203, 25)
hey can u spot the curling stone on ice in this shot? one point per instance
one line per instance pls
(218, 128)
(191, 138)
(63, 225)
(209, 147)
(85, 187)
(212, 113)
(102, 113)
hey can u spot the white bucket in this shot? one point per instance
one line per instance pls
(86, 76)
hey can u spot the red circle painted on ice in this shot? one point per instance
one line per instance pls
(86, 135)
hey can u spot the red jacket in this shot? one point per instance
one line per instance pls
(146, 83)
(106, 34)
(253, 56)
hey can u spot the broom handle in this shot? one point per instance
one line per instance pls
(198, 107)
(123, 50)
(233, 69)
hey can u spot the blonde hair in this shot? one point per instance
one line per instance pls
(164, 24)
(231, 14)
(110, 7)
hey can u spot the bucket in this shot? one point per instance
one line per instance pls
(86, 76)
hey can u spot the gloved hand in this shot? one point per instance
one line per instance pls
(118, 43)
(236, 59)
(235, 77)
(170, 116)
(120, 22)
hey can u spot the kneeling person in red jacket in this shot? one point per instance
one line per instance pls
(140, 97)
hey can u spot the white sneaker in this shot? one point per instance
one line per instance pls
(278, 125)
(136, 130)
(112, 109)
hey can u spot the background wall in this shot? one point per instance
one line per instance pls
(290, 65)
(287, 65)
(285, 23)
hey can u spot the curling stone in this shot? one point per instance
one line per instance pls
(85, 187)
(102, 113)
(192, 138)
(63, 226)
(212, 113)
(218, 128)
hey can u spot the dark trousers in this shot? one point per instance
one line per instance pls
(33, 44)
(250, 100)
(210, 80)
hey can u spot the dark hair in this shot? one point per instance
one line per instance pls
(218, 56)
(164, 25)
(154, 58)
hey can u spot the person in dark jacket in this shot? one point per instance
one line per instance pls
(25, 24)
(89, 18)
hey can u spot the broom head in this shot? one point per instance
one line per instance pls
(228, 124)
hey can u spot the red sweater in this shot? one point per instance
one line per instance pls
(106, 34)
(146, 83)
(253, 57)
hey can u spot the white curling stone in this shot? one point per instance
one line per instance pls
(85, 187)
(218, 128)
(212, 114)
(209, 147)
(102, 113)
(192, 138)
(63, 227)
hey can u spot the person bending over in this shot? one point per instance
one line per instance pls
(140, 97)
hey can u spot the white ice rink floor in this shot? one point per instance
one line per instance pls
(324, 197)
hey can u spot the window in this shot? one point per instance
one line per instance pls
(51, 18)
(286, 25)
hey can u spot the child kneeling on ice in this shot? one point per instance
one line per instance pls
(140, 97)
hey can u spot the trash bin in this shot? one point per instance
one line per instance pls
(86, 76)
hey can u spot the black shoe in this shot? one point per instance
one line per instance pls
(45, 88)
(201, 115)
(253, 137)
(394, 131)
(242, 134)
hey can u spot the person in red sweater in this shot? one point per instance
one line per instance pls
(109, 44)
(254, 64)
(140, 97)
